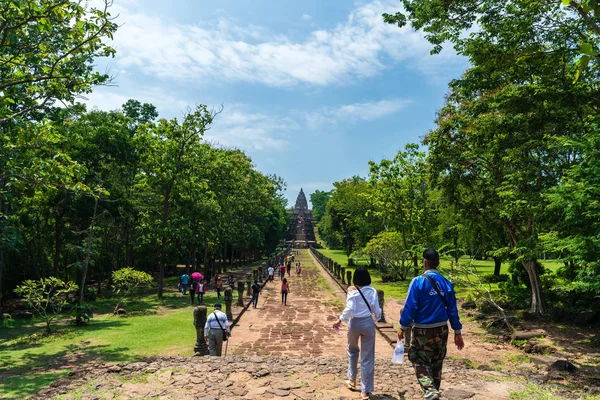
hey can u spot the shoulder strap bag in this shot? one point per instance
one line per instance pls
(221, 326)
(430, 279)
(367, 303)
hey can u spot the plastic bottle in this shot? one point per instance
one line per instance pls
(338, 329)
(398, 357)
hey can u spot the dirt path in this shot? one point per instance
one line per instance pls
(301, 328)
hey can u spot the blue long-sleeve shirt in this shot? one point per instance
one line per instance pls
(424, 307)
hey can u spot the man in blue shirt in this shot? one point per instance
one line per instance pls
(430, 303)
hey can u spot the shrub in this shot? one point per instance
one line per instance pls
(127, 279)
(46, 296)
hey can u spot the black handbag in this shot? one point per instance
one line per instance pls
(221, 326)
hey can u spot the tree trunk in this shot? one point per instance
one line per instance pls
(1, 271)
(537, 299)
(231, 258)
(497, 265)
(57, 243)
(88, 252)
(163, 252)
(455, 241)
(415, 265)
(205, 259)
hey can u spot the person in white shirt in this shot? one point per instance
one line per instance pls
(271, 271)
(361, 312)
(216, 324)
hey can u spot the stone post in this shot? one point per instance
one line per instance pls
(200, 348)
(259, 274)
(248, 287)
(228, 300)
(349, 277)
(381, 304)
(343, 275)
(240, 290)
(255, 275)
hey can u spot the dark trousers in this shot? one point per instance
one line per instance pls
(200, 298)
(254, 299)
(284, 296)
(427, 352)
(192, 295)
(218, 293)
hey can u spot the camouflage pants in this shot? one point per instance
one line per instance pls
(427, 351)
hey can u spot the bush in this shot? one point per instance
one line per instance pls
(46, 296)
(127, 279)
(495, 278)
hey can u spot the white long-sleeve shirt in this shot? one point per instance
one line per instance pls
(211, 322)
(356, 306)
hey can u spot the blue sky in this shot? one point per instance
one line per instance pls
(311, 90)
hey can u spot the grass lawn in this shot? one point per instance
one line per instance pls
(399, 289)
(30, 361)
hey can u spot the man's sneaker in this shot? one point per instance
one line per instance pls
(432, 395)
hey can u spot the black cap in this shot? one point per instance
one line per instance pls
(218, 305)
(430, 254)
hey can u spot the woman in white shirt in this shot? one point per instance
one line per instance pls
(361, 312)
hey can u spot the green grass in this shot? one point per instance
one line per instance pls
(398, 290)
(32, 360)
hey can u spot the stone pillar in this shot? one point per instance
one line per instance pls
(200, 348)
(381, 303)
(248, 287)
(343, 274)
(255, 275)
(240, 290)
(349, 277)
(228, 300)
(259, 274)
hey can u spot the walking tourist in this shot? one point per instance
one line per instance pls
(282, 271)
(218, 285)
(201, 290)
(289, 267)
(285, 289)
(216, 330)
(193, 287)
(184, 281)
(430, 303)
(271, 272)
(361, 312)
(298, 268)
(231, 282)
(255, 293)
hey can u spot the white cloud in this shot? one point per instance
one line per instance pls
(306, 17)
(239, 127)
(365, 111)
(168, 105)
(225, 51)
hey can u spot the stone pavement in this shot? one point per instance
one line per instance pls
(304, 326)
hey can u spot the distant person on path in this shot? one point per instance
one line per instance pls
(298, 268)
(255, 293)
(193, 287)
(282, 271)
(184, 281)
(285, 289)
(218, 285)
(289, 267)
(216, 324)
(201, 290)
(430, 303)
(361, 312)
(231, 282)
(271, 272)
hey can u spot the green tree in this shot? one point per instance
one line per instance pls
(319, 201)
(388, 249)
(47, 50)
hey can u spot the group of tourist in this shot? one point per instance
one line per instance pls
(430, 303)
(195, 284)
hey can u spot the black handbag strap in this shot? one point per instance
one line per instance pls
(363, 296)
(219, 322)
(430, 279)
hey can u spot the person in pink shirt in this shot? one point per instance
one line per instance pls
(285, 289)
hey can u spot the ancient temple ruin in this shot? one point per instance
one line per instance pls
(301, 231)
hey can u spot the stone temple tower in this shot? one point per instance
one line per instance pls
(301, 232)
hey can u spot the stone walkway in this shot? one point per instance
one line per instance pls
(304, 326)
